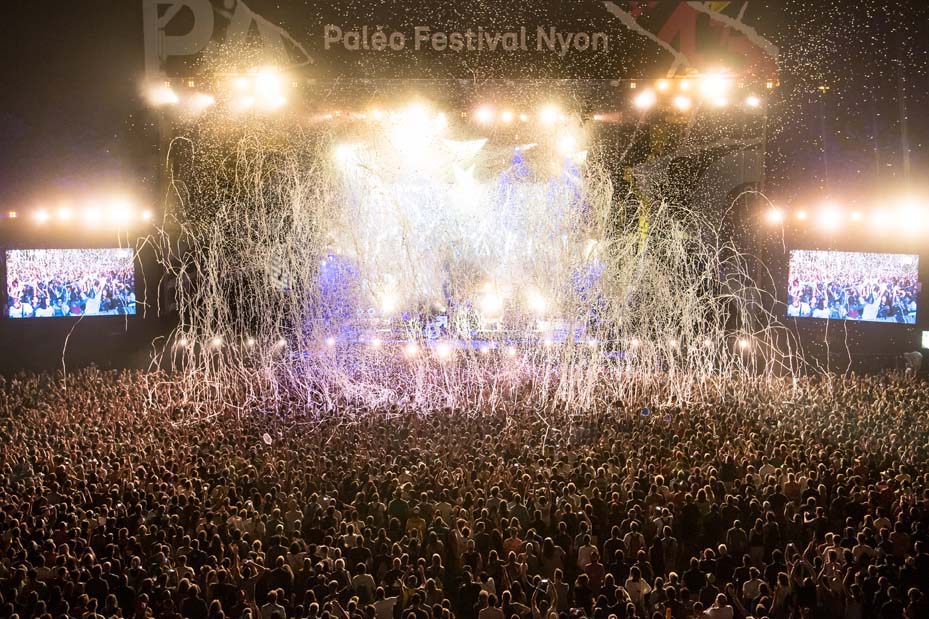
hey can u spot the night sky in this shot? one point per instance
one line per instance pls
(72, 118)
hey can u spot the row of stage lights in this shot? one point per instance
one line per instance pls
(444, 350)
(908, 214)
(717, 89)
(265, 90)
(118, 213)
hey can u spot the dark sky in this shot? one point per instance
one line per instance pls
(72, 120)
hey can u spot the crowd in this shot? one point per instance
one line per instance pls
(844, 285)
(805, 500)
(52, 283)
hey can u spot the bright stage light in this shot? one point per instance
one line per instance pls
(146, 215)
(662, 85)
(443, 351)
(830, 217)
(549, 115)
(376, 343)
(377, 114)
(567, 144)
(775, 215)
(389, 302)
(268, 81)
(216, 342)
(673, 343)
(720, 101)
(682, 103)
(12, 214)
(645, 99)
(801, 215)
(161, 95)
(411, 349)
(911, 212)
(592, 343)
(330, 341)
(484, 114)
(200, 102)
(548, 342)
(856, 216)
(708, 343)
(511, 351)
(92, 215)
(715, 85)
(491, 304)
(65, 213)
(120, 210)
(753, 101)
(181, 343)
(343, 153)
(537, 302)
(506, 116)
(523, 118)
(485, 349)
(880, 218)
(41, 216)
(250, 342)
(684, 85)
(744, 344)
(281, 343)
(634, 343)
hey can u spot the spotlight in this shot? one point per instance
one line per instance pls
(744, 344)
(856, 216)
(537, 302)
(146, 215)
(549, 115)
(708, 343)
(162, 95)
(801, 215)
(548, 342)
(181, 343)
(201, 101)
(484, 114)
(682, 103)
(753, 101)
(485, 349)
(343, 153)
(634, 343)
(592, 343)
(506, 116)
(567, 144)
(672, 343)
(443, 351)
(41, 216)
(684, 85)
(714, 85)
(376, 343)
(491, 304)
(64, 213)
(388, 303)
(376, 114)
(775, 215)
(720, 101)
(411, 349)
(330, 341)
(662, 85)
(830, 217)
(250, 342)
(645, 99)
(216, 342)
(12, 214)
(523, 118)
(281, 343)
(511, 351)
(880, 218)
(92, 215)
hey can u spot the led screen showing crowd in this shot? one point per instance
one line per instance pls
(853, 286)
(48, 283)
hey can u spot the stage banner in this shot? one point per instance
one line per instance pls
(466, 39)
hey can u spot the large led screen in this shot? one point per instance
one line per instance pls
(853, 286)
(49, 283)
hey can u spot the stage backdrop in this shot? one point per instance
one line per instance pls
(467, 39)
